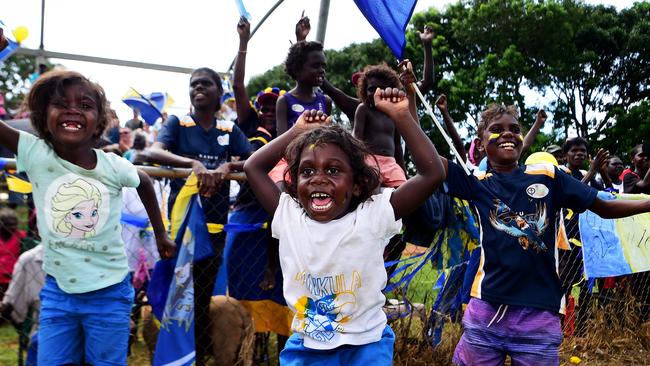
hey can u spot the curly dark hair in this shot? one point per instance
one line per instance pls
(297, 56)
(576, 141)
(366, 177)
(494, 111)
(383, 73)
(50, 86)
(215, 77)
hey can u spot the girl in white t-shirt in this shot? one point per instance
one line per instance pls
(332, 226)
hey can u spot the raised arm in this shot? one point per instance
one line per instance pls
(359, 126)
(427, 82)
(441, 103)
(534, 131)
(281, 115)
(302, 28)
(614, 209)
(431, 172)
(264, 159)
(408, 80)
(166, 247)
(346, 103)
(241, 97)
(596, 165)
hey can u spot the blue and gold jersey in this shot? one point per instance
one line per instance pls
(518, 210)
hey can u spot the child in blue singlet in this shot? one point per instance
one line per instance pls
(517, 295)
(305, 64)
(87, 296)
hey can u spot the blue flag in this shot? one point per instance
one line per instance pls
(151, 106)
(9, 50)
(176, 338)
(389, 18)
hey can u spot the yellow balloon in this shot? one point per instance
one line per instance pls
(541, 157)
(20, 33)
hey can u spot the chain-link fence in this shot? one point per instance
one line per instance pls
(241, 316)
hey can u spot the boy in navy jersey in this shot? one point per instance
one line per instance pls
(516, 294)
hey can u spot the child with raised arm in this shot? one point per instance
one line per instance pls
(376, 128)
(517, 295)
(87, 297)
(332, 229)
(305, 63)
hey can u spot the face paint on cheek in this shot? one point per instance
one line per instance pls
(311, 146)
(493, 138)
(520, 137)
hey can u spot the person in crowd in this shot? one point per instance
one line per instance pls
(135, 122)
(21, 302)
(637, 178)
(557, 153)
(87, 296)
(138, 146)
(205, 144)
(10, 237)
(305, 63)
(516, 290)
(614, 170)
(333, 211)
(254, 276)
(375, 128)
(576, 151)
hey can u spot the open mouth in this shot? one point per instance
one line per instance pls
(509, 146)
(321, 201)
(320, 79)
(71, 126)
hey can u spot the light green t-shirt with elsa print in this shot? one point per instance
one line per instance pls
(78, 214)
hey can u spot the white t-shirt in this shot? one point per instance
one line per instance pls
(334, 272)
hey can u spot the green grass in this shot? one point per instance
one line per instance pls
(8, 345)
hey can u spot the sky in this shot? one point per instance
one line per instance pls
(188, 33)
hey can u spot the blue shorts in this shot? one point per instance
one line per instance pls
(379, 353)
(92, 326)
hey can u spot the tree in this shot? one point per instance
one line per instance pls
(14, 78)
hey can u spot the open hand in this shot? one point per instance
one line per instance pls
(244, 29)
(441, 103)
(427, 35)
(393, 102)
(312, 118)
(599, 163)
(302, 28)
(166, 247)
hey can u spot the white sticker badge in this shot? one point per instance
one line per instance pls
(537, 190)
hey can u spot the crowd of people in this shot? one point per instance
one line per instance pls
(333, 201)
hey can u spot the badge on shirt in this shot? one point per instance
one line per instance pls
(223, 140)
(297, 108)
(537, 190)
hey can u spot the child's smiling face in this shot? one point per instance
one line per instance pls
(502, 140)
(325, 184)
(313, 70)
(72, 118)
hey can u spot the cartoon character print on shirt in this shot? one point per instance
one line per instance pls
(321, 318)
(78, 207)
(528, 229)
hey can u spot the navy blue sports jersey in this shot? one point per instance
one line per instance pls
(212, 148)
(518, 210)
